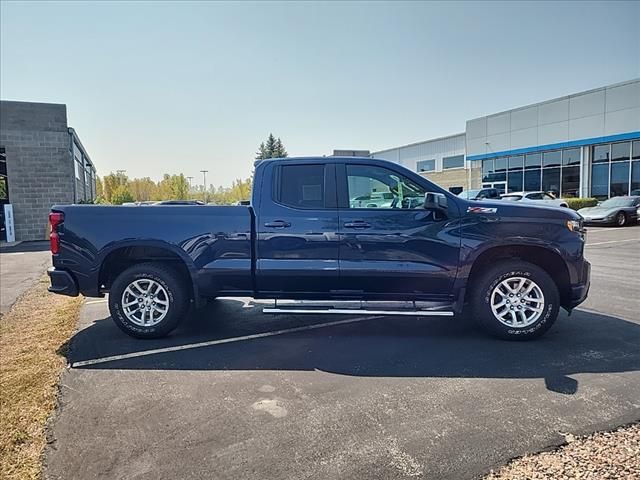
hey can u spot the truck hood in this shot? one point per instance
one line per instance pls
(523, 209)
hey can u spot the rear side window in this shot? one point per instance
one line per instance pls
(300, 186)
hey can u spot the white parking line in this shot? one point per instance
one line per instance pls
(613, 241)
(91, 302)
(177, 348)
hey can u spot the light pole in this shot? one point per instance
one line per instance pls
(204, 183)
(189, 180)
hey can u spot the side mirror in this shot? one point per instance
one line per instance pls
(435, 201)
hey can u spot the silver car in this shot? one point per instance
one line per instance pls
(539, 197)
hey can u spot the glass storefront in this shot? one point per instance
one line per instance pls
(615, 169)
(556, 171)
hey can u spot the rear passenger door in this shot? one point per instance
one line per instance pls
(297, 225)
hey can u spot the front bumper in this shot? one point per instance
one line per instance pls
(599, 221)
(580, 291)
(62, 282)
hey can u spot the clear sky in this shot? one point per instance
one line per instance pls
(155, 87)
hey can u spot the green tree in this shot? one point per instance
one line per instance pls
(111, 183)
(272, 148)
(121, 195)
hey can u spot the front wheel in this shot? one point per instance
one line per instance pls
(148, 300)
(621, 219)
(515, 301)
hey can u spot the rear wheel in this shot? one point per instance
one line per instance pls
(621, 219)
(515, 300)
(148, 300)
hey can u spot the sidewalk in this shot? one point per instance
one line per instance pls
(21, 266)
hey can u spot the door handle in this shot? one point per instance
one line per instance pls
(357, 224)
(277, 224)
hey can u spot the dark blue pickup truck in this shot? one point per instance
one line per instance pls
(328, 229)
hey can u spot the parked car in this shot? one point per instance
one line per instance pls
(373, 200)
(618, 211)
(512, 266)
(538, 197)
(480, 194)
(634, 193)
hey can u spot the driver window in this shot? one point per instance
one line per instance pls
(378, 187)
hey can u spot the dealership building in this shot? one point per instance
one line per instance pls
(42, 163)
(582, 145)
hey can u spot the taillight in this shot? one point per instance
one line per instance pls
(55, 219)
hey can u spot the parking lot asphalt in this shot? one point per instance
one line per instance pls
(21, 266)
(235, 393)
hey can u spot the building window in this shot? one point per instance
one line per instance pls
(515, 180)
(619, 179)
(600, 153)
(456, 190)
(426, 165)
(516, 162)
(635, 177)
(551, 180)
(453, 162)
(4, 186)
(532, 160)
(620, 151)
(600, 180)
(571, 156)
(532, 180)
(551, 159)
(635, 154)
(570, 182)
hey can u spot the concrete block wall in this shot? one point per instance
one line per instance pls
(39, 167)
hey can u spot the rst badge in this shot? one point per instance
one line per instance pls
(482, 210)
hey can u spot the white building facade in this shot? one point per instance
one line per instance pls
(581, 145)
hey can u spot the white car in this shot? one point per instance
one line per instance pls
(543, 198)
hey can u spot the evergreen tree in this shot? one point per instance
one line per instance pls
(280, 151)
(273, 148)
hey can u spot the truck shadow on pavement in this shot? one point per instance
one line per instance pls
(586, 342)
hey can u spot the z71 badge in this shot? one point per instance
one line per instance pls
(481, 210)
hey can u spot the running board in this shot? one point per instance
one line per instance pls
(361, 311)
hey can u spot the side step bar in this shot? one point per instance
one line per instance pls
(361, 311)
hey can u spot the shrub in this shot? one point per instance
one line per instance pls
(578, 203)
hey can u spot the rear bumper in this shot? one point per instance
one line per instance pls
(580, 291)
(62, 282)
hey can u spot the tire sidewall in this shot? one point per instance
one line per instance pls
(549, 313)
(174, 293)
(619, 216)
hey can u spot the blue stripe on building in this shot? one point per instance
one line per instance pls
(554, 146)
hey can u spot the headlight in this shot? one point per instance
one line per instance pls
(575, 225)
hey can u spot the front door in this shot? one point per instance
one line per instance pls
(297, 225)
(391, 247)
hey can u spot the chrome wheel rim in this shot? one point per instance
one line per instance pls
(145, 302)
(517, 302)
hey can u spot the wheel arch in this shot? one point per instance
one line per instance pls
(114, 260)
(549, 260)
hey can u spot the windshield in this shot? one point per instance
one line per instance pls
(618, 202)
(512, 198)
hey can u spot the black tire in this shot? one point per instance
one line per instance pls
(479, 307)
(621, 219)
(169, 279)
